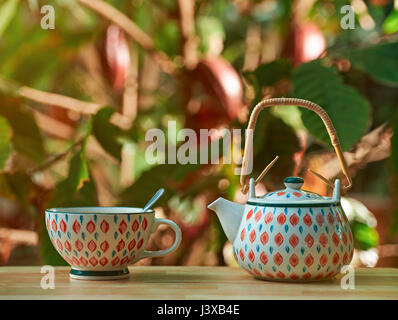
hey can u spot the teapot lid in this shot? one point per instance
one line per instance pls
(294, 196)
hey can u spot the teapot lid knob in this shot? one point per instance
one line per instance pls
(293, 182)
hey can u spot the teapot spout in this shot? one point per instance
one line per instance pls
(230, 215)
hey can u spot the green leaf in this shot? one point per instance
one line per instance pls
(77, 189)
(273, 137)
(77, 185)
(16, 186)
(83, 196)
(390, 25)
(19, 188)
(365, 237)
(168, 176)
(5, 142)
(78, 174)
(268, 74)
(348, 110)
(379, 61)
(209, 29)
(157, 177)
(49, 254)
(291, 115)
(168, 38)
(7, 11)
(26, 139)
(107, 134)
(202, 184)
(42, 67)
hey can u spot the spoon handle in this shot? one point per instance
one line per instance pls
(155, 197)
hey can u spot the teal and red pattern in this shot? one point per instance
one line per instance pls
(98, 241)
(293, 243)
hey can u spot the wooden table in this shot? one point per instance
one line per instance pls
(192, 283)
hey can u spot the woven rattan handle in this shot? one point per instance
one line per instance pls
(289, 102)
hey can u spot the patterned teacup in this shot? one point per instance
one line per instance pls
(100, 242)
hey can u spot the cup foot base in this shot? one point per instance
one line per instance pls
(99, 275)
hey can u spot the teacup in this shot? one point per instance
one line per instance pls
(100, 242)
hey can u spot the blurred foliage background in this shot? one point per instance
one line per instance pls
(77, 100)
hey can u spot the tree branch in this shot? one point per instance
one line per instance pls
(187, 26)
(121, 20)
(71, 104)
(54, 159)
(374, 146)
(59, 100)
(53, 126)
(54, 99)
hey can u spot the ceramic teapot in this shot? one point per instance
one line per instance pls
(290, 234)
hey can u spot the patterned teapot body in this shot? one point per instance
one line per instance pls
(286, 240)
(289, 235)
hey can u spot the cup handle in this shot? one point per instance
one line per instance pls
(177, 231)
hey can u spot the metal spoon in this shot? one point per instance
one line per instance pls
(155, 198)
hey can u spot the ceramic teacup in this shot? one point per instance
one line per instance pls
(100, 242)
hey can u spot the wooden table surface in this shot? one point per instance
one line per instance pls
(172, 283)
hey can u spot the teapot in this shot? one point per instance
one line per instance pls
(290, 234)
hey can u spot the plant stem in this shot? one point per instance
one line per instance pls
(187, 26)
(71, 104)
(54, 159)
(13, 88)
(58, 100)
